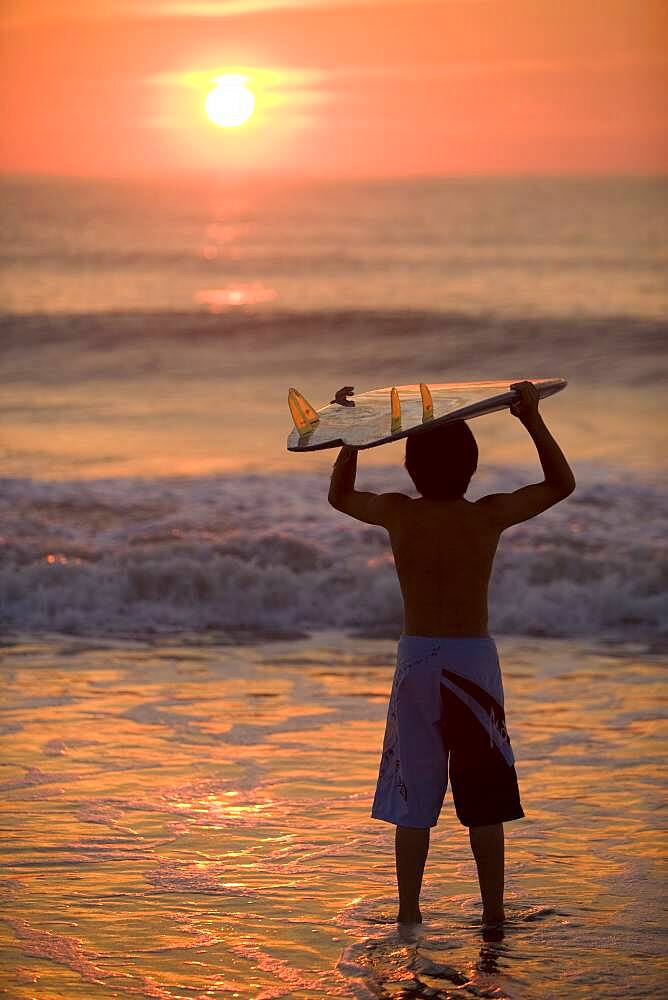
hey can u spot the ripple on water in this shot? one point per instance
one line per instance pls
(151, 850)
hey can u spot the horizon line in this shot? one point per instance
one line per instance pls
(284, 175)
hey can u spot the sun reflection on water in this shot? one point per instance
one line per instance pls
(218, 299)
(202, 827)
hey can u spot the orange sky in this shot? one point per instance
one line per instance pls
(114, 87)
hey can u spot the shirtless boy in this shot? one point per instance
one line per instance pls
(447, 694)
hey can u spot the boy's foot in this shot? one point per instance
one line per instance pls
(409, 917)
(493, 932)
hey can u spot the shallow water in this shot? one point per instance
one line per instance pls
(188, 820)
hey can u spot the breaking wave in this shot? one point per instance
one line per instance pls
(249, 554)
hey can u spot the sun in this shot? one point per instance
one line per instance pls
(230, 103)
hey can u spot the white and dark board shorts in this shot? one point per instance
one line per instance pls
(446, 715)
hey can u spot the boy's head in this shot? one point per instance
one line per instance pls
(441, 461)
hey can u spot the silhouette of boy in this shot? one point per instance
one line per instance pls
(446, 707)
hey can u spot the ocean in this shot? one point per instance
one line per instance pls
(198, 649)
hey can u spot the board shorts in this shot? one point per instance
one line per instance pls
(446, 713)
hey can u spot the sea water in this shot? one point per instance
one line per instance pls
(198, 650)
(186, 819)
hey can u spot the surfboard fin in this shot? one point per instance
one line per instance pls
(304, 416)
(427, 403)
(309, 412)
(395, 410)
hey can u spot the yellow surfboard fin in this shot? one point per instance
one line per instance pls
(427, 403)
(308, 411)
(395, 409)
(298, 412)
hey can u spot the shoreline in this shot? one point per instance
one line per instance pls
(251, 637)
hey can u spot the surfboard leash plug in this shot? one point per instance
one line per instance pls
(341, 394)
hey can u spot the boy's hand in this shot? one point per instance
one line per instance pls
(526, 407)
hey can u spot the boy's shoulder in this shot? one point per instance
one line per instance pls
(393, 505)
(385, 509)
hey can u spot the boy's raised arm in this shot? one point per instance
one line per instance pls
(559, 482)
(372, 508)
(343, 474)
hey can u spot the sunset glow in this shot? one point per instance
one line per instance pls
(230, 103)
(341, 89)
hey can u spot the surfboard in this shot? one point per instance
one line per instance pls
(378, 416)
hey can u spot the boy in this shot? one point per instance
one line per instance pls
(447, 694)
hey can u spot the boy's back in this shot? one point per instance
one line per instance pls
(443, 553)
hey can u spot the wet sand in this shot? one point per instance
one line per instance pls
(184, 820)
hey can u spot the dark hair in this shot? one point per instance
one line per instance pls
(442, 460)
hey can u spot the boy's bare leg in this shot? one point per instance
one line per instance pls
(411, 847)
(487, 847)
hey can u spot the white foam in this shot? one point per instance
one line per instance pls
(223, 552)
